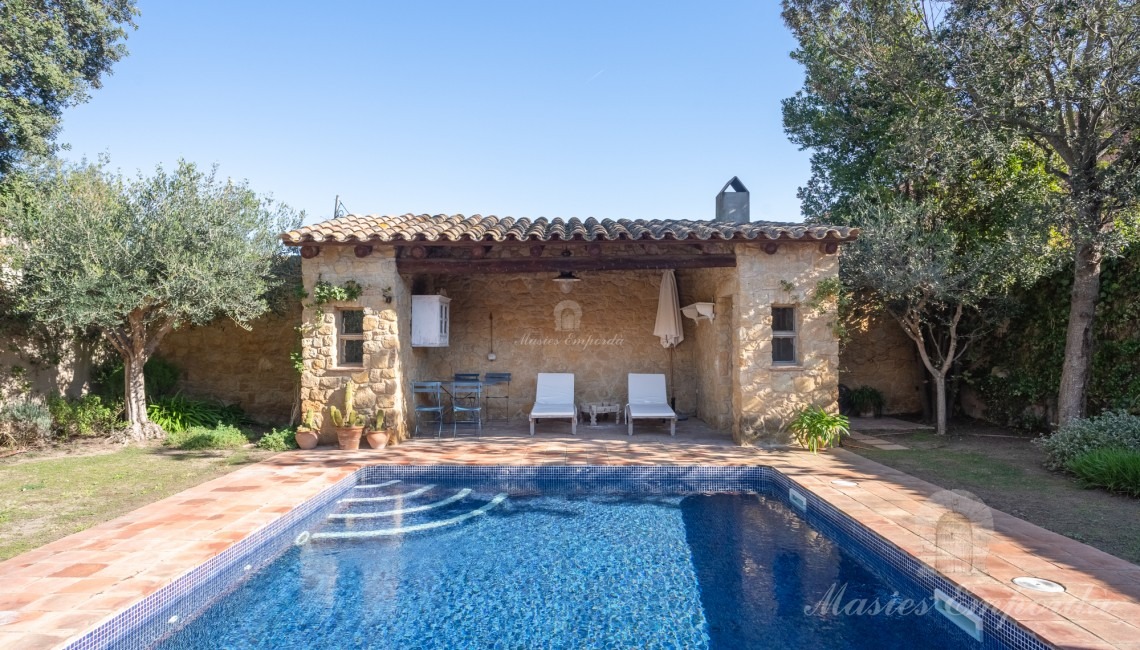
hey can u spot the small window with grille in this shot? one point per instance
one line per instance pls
(350, 337)
(784, 336)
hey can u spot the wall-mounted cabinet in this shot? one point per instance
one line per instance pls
(431, 321)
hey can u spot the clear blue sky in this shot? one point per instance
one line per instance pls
(608, 109)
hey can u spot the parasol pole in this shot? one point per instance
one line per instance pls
(672, 389)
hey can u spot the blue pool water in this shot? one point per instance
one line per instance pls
(479, 564)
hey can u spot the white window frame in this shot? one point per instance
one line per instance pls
(793, 335)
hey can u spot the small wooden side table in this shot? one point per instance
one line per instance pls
(601, 408)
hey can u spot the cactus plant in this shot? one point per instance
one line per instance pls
(348, 418)
(349, 423)
(309, 420)
(306, 434)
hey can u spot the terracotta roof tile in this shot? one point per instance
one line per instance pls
(352, 229)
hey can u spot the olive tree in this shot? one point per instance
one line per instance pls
(932, 281)
(137, 258)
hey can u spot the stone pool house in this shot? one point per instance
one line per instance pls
(452, 294)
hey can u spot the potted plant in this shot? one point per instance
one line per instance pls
(349, 425)
(868, 401)
(815, 428)
(377, 435)
(306, 434)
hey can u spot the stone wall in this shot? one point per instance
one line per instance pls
(878, 354)
(383, 377)
(711, 343)
(250, 368)
(26, 371)
(767, 395)
(600, 331)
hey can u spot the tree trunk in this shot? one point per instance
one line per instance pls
(940, 400)
(140, 427)
(1079, 336)
(134, 390)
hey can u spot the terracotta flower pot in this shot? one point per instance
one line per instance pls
(306, 439)
(377, 439)
(349, 437)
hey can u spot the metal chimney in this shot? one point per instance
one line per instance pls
(733, 206)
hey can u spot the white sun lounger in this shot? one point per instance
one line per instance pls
(647, 401)
(554, 399)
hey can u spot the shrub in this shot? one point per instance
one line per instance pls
(220, 437)
(278, 440)
(1116, 470)
(868, 399)
(87, 416)
(1110, 430)
(178, 413)
(815, 428)
(24, 422)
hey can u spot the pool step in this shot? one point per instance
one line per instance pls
(344, 516)
(388, 497)
(373, 486)
(400, 530)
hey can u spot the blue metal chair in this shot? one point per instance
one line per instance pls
(466, 405)
(427, 396)
(503, 381)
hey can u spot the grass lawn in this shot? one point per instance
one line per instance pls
(48, 496)
(1005, 471)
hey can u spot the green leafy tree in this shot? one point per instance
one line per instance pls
(1061, 76)
(51, 53)
(943, 208)
(137, 258)
(934, 282)
(1065, 75)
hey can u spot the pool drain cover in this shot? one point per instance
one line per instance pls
(1039, 584)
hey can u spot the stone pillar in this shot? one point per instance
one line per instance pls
(380, 379)
(767, 396)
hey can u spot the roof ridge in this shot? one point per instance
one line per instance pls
(379, 228)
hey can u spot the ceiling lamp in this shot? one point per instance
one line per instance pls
(566, 280)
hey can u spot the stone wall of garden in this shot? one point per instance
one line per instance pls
(248, 367)
(27, 369)
(878, 354)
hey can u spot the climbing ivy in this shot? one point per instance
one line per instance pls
(1019, 368)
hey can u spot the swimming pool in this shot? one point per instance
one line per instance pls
(646, 557)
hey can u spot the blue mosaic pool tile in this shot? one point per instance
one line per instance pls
(143, 623)
(879, 553)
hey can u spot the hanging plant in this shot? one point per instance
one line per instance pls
(325, 292)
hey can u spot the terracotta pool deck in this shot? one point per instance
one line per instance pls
(53, 595)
